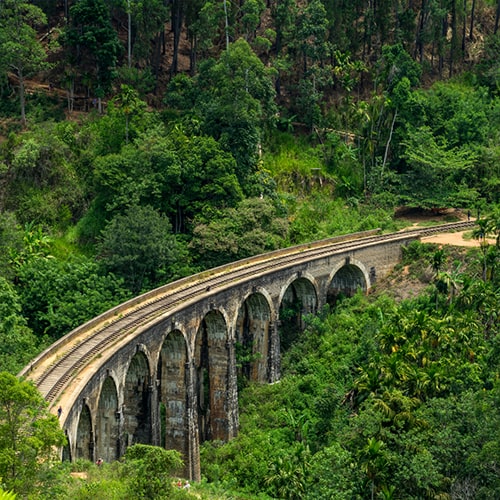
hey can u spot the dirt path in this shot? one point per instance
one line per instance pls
(460, 239)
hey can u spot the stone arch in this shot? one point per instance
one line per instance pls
(137, 402)
(253, 338)
(212, 367)
(346, 279)
(108, 422)
(299, 298)
(172, 390)
(84, 446)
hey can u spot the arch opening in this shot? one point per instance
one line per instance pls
(84, 436)
(252, 339)
(108, 423)
(346, 282)
(137, 403)
(299, 299)
(212, 364)
(172, 390)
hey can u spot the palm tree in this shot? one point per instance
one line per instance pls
(491, 260)
(369, 381)
(480, 234)
(373, 461)
(287, 475)
(438, 260)
(450, 282)
(493, 226)
(418, 383)
(128, 102)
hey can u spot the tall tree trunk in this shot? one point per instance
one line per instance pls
(389, 140)
(419, 44)
(129, 35)
(453, 41)
(177, 18)
(226, 25)
(157, 56)
(442, 42)
(71, 94)
(464, 31)
(472, 14)
(497, 18)
(192, 55)
(22, 97)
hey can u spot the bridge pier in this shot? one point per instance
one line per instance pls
(193, 468)
(274, 365)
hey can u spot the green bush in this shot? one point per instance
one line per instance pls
(149, 470)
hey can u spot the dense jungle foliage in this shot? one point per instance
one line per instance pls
(146, 140)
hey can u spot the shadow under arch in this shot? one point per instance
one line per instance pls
(212, 366)
(172, 391)
(346, 280)
(108, 422)
(300, 298)
(84, 446)
(137, 402)
(253, 338)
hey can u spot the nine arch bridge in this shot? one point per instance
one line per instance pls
(162, 368)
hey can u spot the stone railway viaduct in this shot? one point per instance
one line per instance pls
(163, 368)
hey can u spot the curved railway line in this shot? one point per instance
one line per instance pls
(53, 370)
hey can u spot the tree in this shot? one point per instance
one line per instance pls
(373, 463)
(42, 183)
(395, 65)
(17, 343)
(489, 253)
(149, 469)
(29, 434)
(488, 68)
(208, 178)
(434, 171)
(312, 33)
(57, 296)
(457, 114)
(287, 473)
(20, 50)
(94, 42)
(331, 475)
(253, 227)
(138, 246)
(145, 21)
(202, 23)
(127, 102)
(177, 174)
(10, 242)
(251, 17)
(234, 98)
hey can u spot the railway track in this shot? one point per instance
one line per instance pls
(53, 370)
